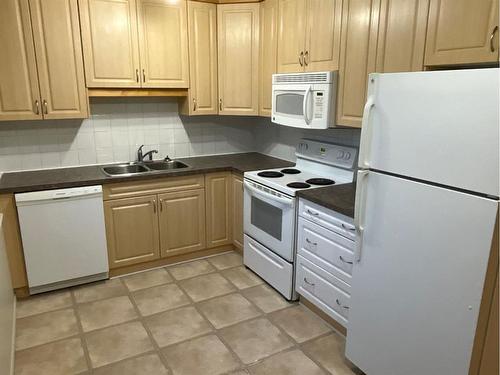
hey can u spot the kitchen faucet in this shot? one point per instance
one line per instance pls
(141, 156)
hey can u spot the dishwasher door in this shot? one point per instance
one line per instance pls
(63, 235)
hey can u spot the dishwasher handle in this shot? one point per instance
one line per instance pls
(58, 194)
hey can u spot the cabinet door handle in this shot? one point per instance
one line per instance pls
(194, 104)
(45, 107)
(154, 205)
(343, 306)
(308, 282)
(301, 58)
(37, 107)
(161, 205)
(311, 243)
(343, 260)
(143, 76)
(306, 58)
(137, 75)
(220, 104)
(492, 47)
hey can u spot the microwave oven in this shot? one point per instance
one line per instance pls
(304, 100)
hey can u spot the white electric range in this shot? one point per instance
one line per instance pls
(270, 207)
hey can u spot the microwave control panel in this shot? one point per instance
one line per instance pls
(318, 98)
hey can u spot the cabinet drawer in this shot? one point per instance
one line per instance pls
(326, 218)
(323, 289)
(326, 249)
(153, 186)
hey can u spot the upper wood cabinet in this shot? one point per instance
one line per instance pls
(268, 48)
(238, 212)
(129, 44)
(309, 35)
(163, 43)
(462, 32)
(218, 188)
(202, 27)
(238, 58)
(48, 83)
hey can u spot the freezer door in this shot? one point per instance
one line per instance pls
(417, 287)
(435, 126)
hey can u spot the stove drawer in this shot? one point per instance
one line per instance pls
(323, 289)
(325, 248)
(276, 271)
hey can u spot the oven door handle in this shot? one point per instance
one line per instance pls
(288, 202)
(305, 105)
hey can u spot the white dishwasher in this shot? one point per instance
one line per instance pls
(63, 236)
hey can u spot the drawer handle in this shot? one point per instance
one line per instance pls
(312, 212)
(343, 306)
(311, 243)
(308, 282)
(352, 229)
(343, 260)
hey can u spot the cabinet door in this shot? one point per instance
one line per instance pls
(182, 222)
(291, 35)
(401, 35)
(132, 230)
(238, 212)
(268, 46)
(218, 189)
(202, 23)
(19, 92)
(56, 31)
(163, 43)
(238, 56)
(110, 43)
(462, 32)
(357, 58)
(323, 35)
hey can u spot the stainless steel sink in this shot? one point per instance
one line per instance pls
(165, 165)
(124, 169)
(131, 169)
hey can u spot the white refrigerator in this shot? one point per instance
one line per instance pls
(426, 206)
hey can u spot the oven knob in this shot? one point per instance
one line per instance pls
(340, 155)
(347, 156)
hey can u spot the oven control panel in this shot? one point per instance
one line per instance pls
(328, 153)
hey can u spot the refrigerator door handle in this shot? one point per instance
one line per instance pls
(359, 212)
(366, 133)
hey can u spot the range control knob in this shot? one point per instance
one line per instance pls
(347, 155)
(340, 155)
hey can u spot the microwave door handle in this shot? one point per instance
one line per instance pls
(287, 202)
(305, 105)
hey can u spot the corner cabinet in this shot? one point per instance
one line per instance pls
(267, 58)
(238, 58)
(41, 71)
(462, 32)
(218, 187)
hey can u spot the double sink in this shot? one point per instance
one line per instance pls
(145, 167)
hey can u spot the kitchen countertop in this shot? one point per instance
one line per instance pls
(339, 198)
(46, 179)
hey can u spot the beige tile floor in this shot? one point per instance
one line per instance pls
(208, 317)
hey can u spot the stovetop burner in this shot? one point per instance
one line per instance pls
(320, 181)
(270, 174)
(298, 185)
(290, 171)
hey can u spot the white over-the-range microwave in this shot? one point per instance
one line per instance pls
(304, 100)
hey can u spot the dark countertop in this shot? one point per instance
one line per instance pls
(339, 198)
(46, 179)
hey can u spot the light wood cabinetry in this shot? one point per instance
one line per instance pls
(357, 58)
(462, 32)
(268, 48)
(163, 43)
(218, 187)
(182, 222)
(132, 230)
(41, 70)
(238, 212)
(238, 58)
(202, 27)
(309, 35)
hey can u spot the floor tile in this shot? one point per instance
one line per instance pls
(57, 358)
(190, 269)
(266, 298)
(149, 364)
(242, 277)
(221, 262)
(160, 298)
(178, 325)
(99, 290)
(105, 313)
(115, 343)
(255, 339)
(147, 279)
(226, 310)
(329, 352)
(43, 328)
(300, 323)
(206, 286)
(202, 356)
(41, 303)
(289, 363)
(239, 372)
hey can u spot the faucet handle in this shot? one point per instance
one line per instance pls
(167, 159)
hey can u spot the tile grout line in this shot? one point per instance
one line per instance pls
(82, 337)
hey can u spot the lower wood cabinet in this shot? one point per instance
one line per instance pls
(182, 222)
(238, 212)
(219, 209)
(132, 230)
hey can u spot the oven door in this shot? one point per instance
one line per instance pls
(269, 218)
(292, 105)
